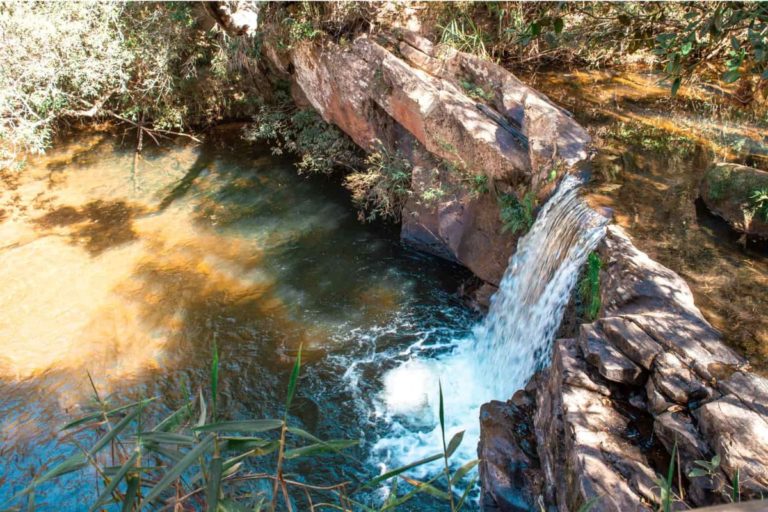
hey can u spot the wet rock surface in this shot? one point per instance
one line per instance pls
(649, 377)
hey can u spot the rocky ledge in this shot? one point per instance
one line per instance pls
(650, 377)
(463, 122)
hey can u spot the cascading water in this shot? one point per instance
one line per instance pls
(506, 348)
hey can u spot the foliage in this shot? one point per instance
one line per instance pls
(191, 459)
(517, 215)
(463, 34)
(666, 484)
(651, 138)
(382, 188)
(152, 64)
(759, 203)
(711, 469)
(321, 147)
(476, 92)
(680, 39)
(589, 287)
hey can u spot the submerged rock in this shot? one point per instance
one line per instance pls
(738, 194)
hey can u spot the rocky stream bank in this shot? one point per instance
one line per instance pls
(649, 379)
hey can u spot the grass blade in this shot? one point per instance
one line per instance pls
(214, 482)
(463, 470)
(465, 494)
(293, 381)
(166, 438)
(112, 434)
(402, 469)
(100, 415)
(426, 487)
(175, 419)
(241, 426)
(454, 443)
(130, 494)
(214, 380)
(176, 471)
(324, 446)
(115, 481)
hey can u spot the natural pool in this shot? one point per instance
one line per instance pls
(130, 271)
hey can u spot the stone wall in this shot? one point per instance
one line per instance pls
(651, 375)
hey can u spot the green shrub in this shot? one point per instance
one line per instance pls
(383, 186)
(589, 287)
(193, 460)
(517, 215)
(759, 203)
(321, 147)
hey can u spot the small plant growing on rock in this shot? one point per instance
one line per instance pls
(476, 92)
(516, 214)
(589, 287)
(759, 203)
(382, 188)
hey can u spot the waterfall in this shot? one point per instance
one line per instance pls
(516, 336)
(505, 349)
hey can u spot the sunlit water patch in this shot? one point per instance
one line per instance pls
(129, 274)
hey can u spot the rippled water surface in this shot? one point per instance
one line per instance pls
(130, 274)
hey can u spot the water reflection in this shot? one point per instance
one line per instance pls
(131, 275)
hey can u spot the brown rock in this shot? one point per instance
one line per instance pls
(657, 403)
(751, 389)
(631, 340)
(506, 472)
(740, 436)
(677, 382)
(612, 364)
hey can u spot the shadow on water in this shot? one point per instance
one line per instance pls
(98, 226)
(223, 242)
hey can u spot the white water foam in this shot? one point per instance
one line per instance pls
(504, 350)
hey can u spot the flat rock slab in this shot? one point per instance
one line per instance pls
(628, 337)
(609, 361)
(740, 436)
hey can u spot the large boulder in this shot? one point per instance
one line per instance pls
(463, 148)
(649, 377)
(732, 191)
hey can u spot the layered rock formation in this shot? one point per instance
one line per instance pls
(408, 95)
(649, 377)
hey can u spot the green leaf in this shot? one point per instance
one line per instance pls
(175, 419)
(731, 76)
(324, 446)
(241, 426)
(130, 494)
(441, 410)
(696, 472)
(100, 415)
(466, 492)
(402, 469)
(716, 461)
(214, 380)
(463, 470)
(167, 438)
(735, 44)
(425, 487)
(293, 381)
(115, 481)
(255, 452)
(244, 444)
(183, 465)
(535, 29)
(454, 443)
(559, 24)
(735, 490)
(213, 489)
(116, 430)
(676, 86)
(686, 48)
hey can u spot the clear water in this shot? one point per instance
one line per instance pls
(130, 274)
